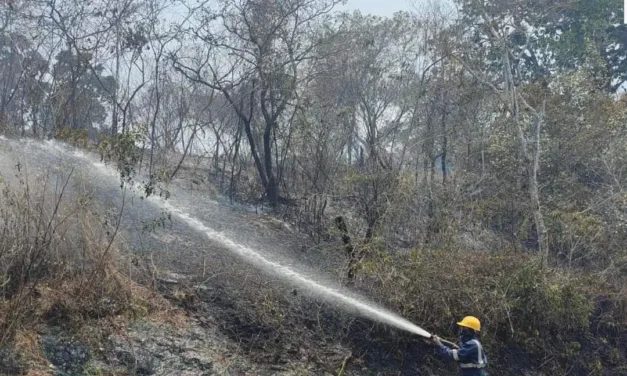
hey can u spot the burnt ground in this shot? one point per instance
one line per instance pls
(322, 338)
(319, 335)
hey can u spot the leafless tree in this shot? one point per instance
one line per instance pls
(267, 44)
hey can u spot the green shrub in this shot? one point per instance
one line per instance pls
(541, 313)
(74, 137)
(122, 150)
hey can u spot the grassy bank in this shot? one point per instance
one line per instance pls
(60, 268)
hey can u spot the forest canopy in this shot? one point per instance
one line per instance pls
(488, 131)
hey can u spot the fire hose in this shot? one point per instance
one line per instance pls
(445, 342)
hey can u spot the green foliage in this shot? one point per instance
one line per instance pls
(592, 24)
(554, 307)
(503, 155)
(575, 234)
(568, 36)
(74, 137)
(80, 91)
(572, 349)
(161, 175)
(122, 150)
(541, 313)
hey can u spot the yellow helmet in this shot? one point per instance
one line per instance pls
(470, 322)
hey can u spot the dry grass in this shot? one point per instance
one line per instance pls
(26, 343)
(39, 373)
(59, 266)
(53, 259)
(158, 309)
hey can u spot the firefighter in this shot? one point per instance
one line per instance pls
(470, 355)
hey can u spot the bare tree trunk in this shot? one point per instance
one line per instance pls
(216, 152)
(444, 148)
(253, 150)
(272, 189)
(186, 151)
(531, 157)
(116, 88)
(351, 138)
(349, 248)
(482, 139)
(272, 186)
(232, 187)
(153, 124)
(533, 163)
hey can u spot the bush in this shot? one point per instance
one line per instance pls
(58, 262)
(75, 137)
(541, 314)
(123, 151)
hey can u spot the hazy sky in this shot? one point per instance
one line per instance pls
(379, 7)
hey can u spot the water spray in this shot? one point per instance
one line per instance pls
(360, 305)
(365, 308)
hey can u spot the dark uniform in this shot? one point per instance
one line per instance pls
(470, 356)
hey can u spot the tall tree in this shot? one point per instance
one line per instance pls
(499, 25)
(259, 51)
(78, 94)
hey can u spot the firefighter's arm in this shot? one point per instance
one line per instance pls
(444, 351)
